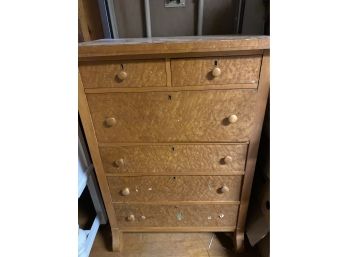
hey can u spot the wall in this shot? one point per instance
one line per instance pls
(220, 18)
(254, 17)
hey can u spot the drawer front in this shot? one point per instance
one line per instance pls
(178, 158)
(200, 116)
(174, 188)
(215, 71)
(150, 73)
(194, 215)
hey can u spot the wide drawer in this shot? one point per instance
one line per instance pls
(146, 73)
(189, 216)
(215, 70)
(174, 188)
(186, 116)
(179, 158)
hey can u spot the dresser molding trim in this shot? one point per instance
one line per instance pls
(181, 202)
(168, 72)
(175, 173)
(178, 229)
(242, 86)
(185, 47)
(246, 86)
(170, 56)
(171, 143)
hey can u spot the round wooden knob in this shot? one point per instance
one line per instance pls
(125, 191)
(232, 118)
(119, 163)
(228, 159)
(131, 217)
(224, 189)
(122, 75)
(216, 72)
(109, 122)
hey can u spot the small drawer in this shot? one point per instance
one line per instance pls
(186, 116)
(147, 73)
(215, 71)
(178, 158)
(174, 188)
(176, 216)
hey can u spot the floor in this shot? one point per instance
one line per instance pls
(167, 245)
(159, 244)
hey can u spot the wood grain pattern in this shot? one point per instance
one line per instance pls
(138, 124)
(93, 148)
(186, 116)
(179, 158)
(176, 216)
(168, 244)
(260, 106)
(90, 20)
(162, 229)
(168, 72)
(170, 88)
(170, 47)
(83, 22)
(198, 71)
(149, 73)
(175, 188)
(117, 240)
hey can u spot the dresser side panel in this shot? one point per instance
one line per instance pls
(93, 148)
(263, 91)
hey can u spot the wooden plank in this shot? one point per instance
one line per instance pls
(165, 244)
(242, 86)
(169, 73)
(179, 229)
(83, 22)
(185, 202)
(170, 55)
(166, 143)
(90, 20)
(184, 173)
(163, 46)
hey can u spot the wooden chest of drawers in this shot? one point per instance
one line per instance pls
(173, 127)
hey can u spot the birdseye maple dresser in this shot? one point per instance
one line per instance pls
(173, 126)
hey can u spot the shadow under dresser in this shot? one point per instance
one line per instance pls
(173, 126)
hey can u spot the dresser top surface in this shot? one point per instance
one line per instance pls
(115, 48)
(164, 40)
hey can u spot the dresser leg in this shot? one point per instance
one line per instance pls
(238, 241)
(117, 240)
